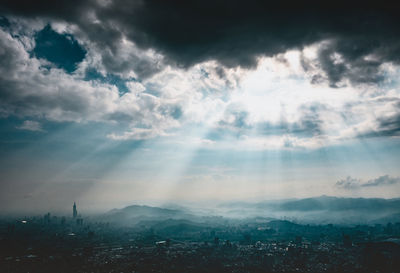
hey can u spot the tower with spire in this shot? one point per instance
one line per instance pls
(74, 211)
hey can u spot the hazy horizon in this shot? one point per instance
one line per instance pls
(211, 207)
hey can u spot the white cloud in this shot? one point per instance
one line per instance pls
(137, 134)
(30, 90)
(277, 95)
(135, 87)
(31, 125)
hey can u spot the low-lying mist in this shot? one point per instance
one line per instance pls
(317, 210)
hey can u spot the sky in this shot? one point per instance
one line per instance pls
(114, 102)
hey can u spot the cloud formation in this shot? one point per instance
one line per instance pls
(362, 37)
(354, 183)
(153, 67)
(30, 88)
(31, 125)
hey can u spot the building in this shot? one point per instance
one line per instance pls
(74, 211)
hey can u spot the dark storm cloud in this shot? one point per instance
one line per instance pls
(235, 32)
(356, 60)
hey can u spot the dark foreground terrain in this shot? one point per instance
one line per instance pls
(55, 244)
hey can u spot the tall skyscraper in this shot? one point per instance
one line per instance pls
(74, 211)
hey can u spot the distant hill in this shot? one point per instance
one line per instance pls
(329, 203)
(136, 213)
(143, 210)
(315, 210)
(322, 210)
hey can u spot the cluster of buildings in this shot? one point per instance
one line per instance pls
(69, 244)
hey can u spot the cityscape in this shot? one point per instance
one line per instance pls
(163, 240)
